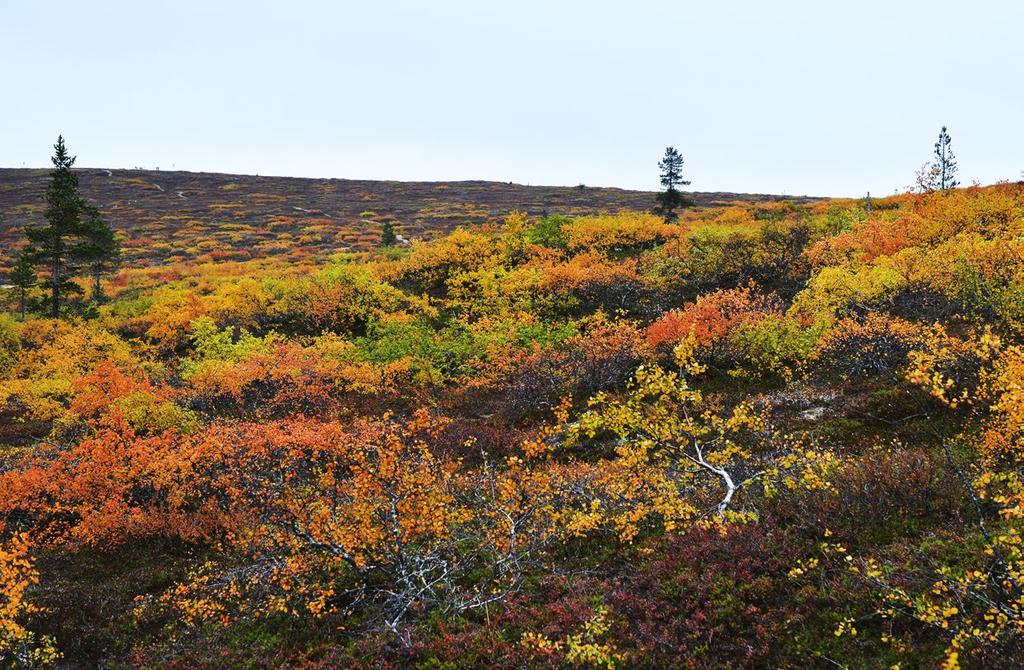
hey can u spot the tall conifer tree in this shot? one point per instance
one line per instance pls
(57, 246)
(945, 162)
(671, 198)
(75, 237)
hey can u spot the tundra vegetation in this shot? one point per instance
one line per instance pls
(782, 434)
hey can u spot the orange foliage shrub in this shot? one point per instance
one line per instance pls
(871, 239)
(710, 318)
(326, 516)
(592, 281)
(111, 486)
(875, 345)
(289, 377)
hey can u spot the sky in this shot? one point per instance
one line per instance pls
(789, 97)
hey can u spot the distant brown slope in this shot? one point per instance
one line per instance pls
(169, 216)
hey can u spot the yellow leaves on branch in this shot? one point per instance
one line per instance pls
(957, 372)
(18, 645)
(669, 456)
(980, 600)
(582, 649)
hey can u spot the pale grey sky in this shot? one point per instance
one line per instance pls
(815, 97)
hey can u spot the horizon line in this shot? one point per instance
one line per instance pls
(431, 181)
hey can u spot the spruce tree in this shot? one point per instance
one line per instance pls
(23, 277)
(939, 174)
(945, 163)
(101, 251)
(58, 246)
(387, 234)
(671, 198)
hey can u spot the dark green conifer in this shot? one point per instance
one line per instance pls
(671, 199)
(387, 234)
(101, 250)
(23, 278)
(57, 247)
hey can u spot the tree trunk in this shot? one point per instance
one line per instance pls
(55, 292)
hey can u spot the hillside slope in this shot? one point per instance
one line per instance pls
(767, 436)
(169, 216)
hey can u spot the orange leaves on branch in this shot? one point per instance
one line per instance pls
(953, 370)
(594, 281)
(288, 377)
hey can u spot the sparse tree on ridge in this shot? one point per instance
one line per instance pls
(940, 174)
(23, 278)
(671, 198)
(946, 161)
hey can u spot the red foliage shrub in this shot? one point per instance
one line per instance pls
(710, 318)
